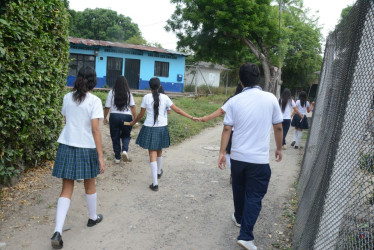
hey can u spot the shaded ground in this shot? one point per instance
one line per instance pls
(191, 210)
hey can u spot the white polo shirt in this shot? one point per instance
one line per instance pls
(77, 131)
(302, 110)
(109, 103)
(252, 113)
(287, 111)
(162, 119)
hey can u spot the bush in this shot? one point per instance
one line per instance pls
(34, 52)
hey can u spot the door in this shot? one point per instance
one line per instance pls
(132, 72)
(113, 70)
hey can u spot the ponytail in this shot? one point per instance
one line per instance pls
(86, 81)
(154, 85)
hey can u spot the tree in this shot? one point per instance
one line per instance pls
(222, 30)
(103, 24)
(344, 12)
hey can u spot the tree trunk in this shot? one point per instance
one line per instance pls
(271, 73)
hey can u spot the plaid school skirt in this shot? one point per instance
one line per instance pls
(298, 123)
(76, 163)
(153, 138)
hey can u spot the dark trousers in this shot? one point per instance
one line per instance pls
(286, 126)
(249, 185)
(119, 132)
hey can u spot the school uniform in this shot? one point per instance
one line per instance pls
(77, 156)
(252, 113)
(286, 117)
(118, 131)
(297, 122)
(155, 136)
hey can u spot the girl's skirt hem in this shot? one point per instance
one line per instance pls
(153, 138)
(76, 163)
(297, 122)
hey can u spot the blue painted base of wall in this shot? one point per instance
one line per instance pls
(101, 81)
(168, 86)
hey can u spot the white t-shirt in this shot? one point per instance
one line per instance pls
(252, 113)
(287, 111)
(162, 119)
(302, 110)
(77, 131)
(109, 103)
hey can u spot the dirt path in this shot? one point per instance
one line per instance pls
(191, 210)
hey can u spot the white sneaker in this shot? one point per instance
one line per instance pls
(117, 161)
(234, 220)
(250, 245)
(125, 156)
(284, 147)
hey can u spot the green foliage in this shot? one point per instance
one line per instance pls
(34, 51)
(367, 162)
(345, 12)
(104, 24)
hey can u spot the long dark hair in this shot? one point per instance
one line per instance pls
(238, 90)
(86, 81)
(285, 98)
(121, 92)
(154, 84)
(302, 98)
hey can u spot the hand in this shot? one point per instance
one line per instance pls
(105, 121)
(132, 123)
(222, 161)
(278, 155)
(195, 119)
(101, 165)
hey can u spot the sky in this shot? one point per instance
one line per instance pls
(151, 15)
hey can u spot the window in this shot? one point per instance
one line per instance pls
(161, 69)
(77, 61)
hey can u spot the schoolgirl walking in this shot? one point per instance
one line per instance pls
(79, 154)
(299, 120)
(121, 105)
(154, 134)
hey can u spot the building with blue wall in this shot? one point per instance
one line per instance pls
(138, 63)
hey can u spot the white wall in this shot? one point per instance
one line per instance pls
(211, 76)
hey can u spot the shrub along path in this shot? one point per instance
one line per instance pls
(191, 210)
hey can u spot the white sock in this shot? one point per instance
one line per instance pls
(154, 172)
(294, 135)
(159, 165)
(228, 162)
(91, 200)
(63, 205)
(299, 135)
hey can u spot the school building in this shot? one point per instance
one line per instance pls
(138, 63)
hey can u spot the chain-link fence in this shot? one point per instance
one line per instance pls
(336, 190)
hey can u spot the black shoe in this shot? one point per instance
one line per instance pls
(160, 174)
(293, 143)
(154, 188)
(92, 223)
(296, 147)
(56, 241)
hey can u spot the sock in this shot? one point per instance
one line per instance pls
(299, 135)
(159, 165)
(63, 204)
(154, 172)
(228, 162)
(91, 200)
(294, 135)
